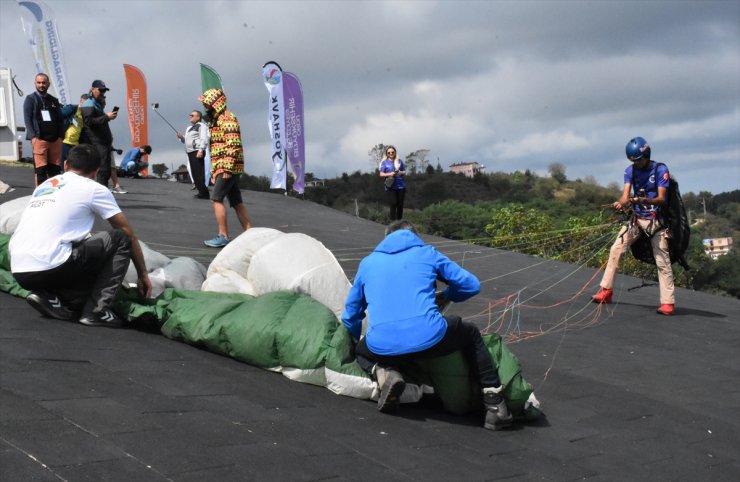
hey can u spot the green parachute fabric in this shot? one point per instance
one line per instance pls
(292, 333)
(8, 284)
(299, 337)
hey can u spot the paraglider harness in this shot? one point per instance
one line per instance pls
(673, 218)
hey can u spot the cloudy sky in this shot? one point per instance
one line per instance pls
(512, 85)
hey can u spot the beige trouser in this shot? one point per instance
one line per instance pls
(659, 241)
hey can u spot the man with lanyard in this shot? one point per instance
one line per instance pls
(196, 142)
(649, 182)
(42, 114)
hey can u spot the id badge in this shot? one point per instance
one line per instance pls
(45, 116)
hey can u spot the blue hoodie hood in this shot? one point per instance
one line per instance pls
(398, 241)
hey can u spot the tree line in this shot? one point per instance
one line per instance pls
(548, 216)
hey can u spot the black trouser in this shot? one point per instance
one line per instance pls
(395, 202)
(199, 173)
(105, 159)
(460, 335)
(46, 172)
(89, 280)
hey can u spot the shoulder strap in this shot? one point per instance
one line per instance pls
(655, 171)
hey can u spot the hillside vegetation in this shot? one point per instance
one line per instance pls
(551, 217)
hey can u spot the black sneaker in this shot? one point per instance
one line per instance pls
(106, 318)
(49, 305)
(392, 386)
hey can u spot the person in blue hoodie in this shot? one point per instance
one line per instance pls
(396, 284)
(132, 163)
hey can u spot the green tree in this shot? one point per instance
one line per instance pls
(160, 170)
(376, 154)
(557, 172)
(455, 220)
(416, 159)
(546, 187)
(431, 191)
(584, 240)
(721, 276)
(517, 228)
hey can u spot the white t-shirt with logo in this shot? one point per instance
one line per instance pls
(61, 212)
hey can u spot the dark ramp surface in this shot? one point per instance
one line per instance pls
(629, 395)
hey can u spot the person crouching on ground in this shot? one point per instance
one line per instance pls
(132, 163)
(649, 181)
(54, 255)
(227, 164)
(396, 285)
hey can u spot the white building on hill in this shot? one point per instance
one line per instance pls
(716, 247)
(469, 169)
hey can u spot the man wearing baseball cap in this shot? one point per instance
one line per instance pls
(96, 130)
(100, 85)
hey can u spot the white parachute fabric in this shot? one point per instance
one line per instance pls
(181, 273)
(265, 260)
(227, 273)
(10, 214)
(268, 260)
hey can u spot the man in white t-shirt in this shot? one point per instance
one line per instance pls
(53, 254)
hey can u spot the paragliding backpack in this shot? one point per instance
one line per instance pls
(68, 115)
(674, 219)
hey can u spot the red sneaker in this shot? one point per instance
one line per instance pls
(603, 296)
(665, 309)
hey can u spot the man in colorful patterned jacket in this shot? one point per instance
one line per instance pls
(227, 164)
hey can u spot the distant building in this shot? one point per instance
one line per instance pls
(716, 247)
(315, 183)
(469, 169)
(182, 175)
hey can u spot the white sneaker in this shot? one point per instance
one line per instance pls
(118, 190)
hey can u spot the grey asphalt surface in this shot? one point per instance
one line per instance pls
(628, 394)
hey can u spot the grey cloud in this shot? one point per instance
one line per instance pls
(518, 71)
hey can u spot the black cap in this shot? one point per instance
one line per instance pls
(100, 85)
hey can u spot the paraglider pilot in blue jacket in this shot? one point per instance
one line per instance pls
(396, 284)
